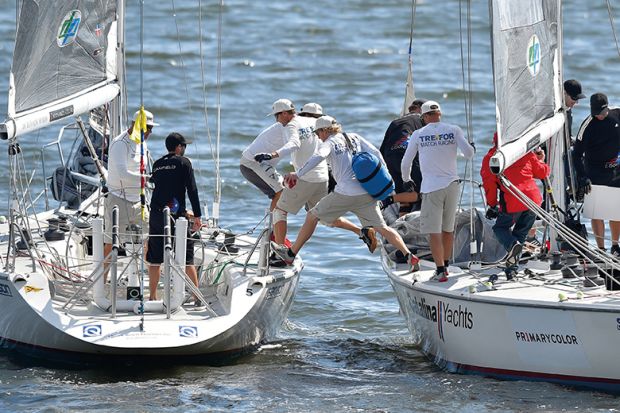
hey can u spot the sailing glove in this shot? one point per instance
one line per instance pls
(259, 157)
(492, 212)
(409, 186)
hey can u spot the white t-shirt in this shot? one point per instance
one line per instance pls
(302, 143)
(124, 167)
(268, 141)
(437, 144)
(340, 158)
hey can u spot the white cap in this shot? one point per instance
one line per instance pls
(430, 106)
(149, 118)
(312, 108)
(281, 105)
(325, 122)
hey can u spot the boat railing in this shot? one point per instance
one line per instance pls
(263, 240)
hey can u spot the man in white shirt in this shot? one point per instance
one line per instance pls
(348, 195)
(124, 182)
(437, 143)
(301, 143)
(264, 175)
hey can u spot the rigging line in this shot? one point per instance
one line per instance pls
(218, 180)
(613, 27)
(141, 52)
(185, 81)
(413, 11)
(204, 86)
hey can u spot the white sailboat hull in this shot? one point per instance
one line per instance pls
(519, 331)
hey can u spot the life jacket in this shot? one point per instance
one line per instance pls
(371, 173)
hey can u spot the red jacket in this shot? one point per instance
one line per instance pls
(522, 174)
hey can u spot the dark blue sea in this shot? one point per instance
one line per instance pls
(345, 346)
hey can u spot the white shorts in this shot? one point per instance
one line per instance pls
(129, 213)
(303, 193)
(263, 176)
(438, 213)
(335, 205)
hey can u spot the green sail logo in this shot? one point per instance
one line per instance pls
(533, 55)
(67, 32)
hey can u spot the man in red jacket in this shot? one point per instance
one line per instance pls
(514, 219)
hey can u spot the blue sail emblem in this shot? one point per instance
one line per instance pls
(67, 32)
(533, 55)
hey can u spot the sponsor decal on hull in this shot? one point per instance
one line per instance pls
(443, 314)
(547, 338)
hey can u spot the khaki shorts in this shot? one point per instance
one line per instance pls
(335, 205)
(303, 193)
(438, 212)
(128, 214)
(263, 176)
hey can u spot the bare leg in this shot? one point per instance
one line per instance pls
(107, 249)
(437, 248)
(447, 239)
(615, 231)
(274, 201)
(394, 238)
(306, 231)
(408, 197)
(344, 223)
(191, 272)
(153, 281)
(598, 228)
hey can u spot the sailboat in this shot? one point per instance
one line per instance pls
(55, 300)
(558, 321)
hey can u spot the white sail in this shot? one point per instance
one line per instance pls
(526, 76)
(64, 62)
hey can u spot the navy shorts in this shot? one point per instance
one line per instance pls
(155, 252)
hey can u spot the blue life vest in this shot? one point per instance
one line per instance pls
(371, 173)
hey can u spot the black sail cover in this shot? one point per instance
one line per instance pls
(525, 39)
(61, 49)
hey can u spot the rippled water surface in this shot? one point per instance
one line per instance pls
(345, 347)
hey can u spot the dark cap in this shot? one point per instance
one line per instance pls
(598, 104)
(175, 139)
(417, 103)
(573, 89)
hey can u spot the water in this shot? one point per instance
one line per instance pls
(345, 347)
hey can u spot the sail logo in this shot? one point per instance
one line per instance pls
(67, 32)
(93, 330)
(533, 55)
(443, 314)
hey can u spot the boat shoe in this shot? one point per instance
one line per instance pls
(283, 252)
(512, 259)
(369, 236)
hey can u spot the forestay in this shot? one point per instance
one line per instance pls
(64, 62)
(526, 40)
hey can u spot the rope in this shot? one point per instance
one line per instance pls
(613, 26)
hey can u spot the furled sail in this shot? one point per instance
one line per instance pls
(64, 62)
(526, 41)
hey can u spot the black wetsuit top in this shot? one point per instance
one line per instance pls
(394, 146)
(596, 149)
(173, 177)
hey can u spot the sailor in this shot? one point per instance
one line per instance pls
(595, 156)
(514, 218)
(348, 196)
(393, 149)
(124, 181)
(572, 94)
(301, 143)
(173, 176)
(437, 144)
(264, 175)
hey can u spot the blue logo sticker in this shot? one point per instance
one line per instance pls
(93, 330)
(188, 331)
(67, 32)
